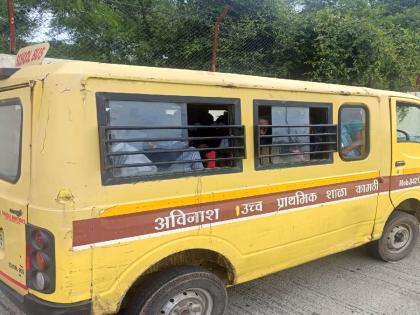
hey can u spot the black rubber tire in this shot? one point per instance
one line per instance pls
(160, 287)
(380, 248)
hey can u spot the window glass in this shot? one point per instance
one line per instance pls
(353, 133)
(290, 116)
(150, 115)
(294, 134)
(10, 138)
(147, 139)
(408, 126)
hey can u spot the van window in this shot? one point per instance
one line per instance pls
(408, 126)
(294, 133)
(147, 137)
(10, 139)
(353, 132)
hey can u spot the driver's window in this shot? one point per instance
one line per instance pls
(408, 126)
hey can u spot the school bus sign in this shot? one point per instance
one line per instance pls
(32, 55)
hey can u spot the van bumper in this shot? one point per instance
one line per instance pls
(32, 305)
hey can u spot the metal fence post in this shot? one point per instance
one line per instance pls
(12, 31)
(219, 21)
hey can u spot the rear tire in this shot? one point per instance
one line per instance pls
(183, 290)
(399, 237)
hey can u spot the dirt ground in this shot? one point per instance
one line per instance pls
(347, 283)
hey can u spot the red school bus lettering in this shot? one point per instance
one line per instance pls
(14, 219)
(38, 53)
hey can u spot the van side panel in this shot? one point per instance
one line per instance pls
(67, 189)
(264, 244)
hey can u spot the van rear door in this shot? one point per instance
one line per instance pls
(15, 140)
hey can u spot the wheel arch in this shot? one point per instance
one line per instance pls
(408, 202)
(215, 254)
(411, 206)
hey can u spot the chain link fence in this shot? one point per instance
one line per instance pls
(128, 32)
(357, 43)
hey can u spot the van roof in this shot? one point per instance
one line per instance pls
(86, 70)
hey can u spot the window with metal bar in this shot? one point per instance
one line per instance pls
(293, 133)
(167, 138)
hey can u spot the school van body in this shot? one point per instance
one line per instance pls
(93, 222)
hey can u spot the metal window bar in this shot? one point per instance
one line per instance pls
(236, 146)
(176, 162)
(173, 151)
(330, 144)
(296, 144)
(297, 153)
(300, 135)
(170, 127)
(133, 140)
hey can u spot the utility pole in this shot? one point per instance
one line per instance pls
(12, 30)
(219, 21)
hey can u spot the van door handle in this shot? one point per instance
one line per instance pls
(400, 163)
(16, 212)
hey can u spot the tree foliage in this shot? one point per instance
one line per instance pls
(372, 43)
(25, 22)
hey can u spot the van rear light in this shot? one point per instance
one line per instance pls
(40, 259)
(40, 239)
(41, 281)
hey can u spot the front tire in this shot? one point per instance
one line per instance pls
(181, 290)
(399, 237)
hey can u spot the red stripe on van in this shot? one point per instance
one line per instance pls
(10, 279)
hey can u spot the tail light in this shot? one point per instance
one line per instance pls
(40, 259)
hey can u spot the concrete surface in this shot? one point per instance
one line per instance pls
(347, 283)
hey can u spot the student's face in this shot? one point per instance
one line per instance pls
(263, 130)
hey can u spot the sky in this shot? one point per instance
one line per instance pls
(44, 32)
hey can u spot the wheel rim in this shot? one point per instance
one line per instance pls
(399, 238)
(189, 302)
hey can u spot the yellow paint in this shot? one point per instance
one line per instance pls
(410, 171)
(234, 194)
(237, 209)
(61, 183)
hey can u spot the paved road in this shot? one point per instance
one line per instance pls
(347, 283)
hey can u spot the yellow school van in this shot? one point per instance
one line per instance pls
(149, 191)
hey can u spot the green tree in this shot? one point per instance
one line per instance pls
(353, 43)
(26, 21)
(359, 42)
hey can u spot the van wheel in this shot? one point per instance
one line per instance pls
(183, 290)
(399, 237)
